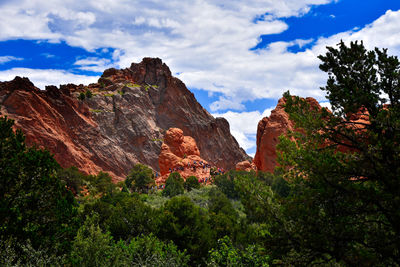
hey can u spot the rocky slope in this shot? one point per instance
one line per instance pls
(123, 123)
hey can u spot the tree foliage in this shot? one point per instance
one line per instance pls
(140, 178)
(187, 226)
(191, 183)
(174, 185)
(344, 166)
(34, 203)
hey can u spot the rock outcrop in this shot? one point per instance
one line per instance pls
(180, 153)
(268, 131)
(122, 124)
(246, 166)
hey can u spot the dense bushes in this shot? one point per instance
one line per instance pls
(34, 204)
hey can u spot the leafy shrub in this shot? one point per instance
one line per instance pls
(226, 254)
(148, 250)
(82, 96)
(191, 183)
(173, 185)
(88, 94)
(140, 178)
(226, 183)
(187, 226)
(92, 246)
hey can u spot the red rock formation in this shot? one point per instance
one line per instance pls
(178, 153)
(122, 124)
(278, 123)
(268, 131)
(246, 166)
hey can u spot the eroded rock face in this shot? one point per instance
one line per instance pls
(122, 124)
(180, 153)
(268, 131)
(246, 166)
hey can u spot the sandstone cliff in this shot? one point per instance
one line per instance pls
(268, 131)
(123, 123)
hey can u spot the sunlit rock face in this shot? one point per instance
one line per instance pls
(268, 131)
(121, 124)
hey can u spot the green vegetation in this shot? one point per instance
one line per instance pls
(34, 204)
(96, 110)
(140, 179)
(351, 196)
(334, 200)
(132, 85)
(109, 94)
(82, 96)
(173, 185)
(191, 183)
(88, 94)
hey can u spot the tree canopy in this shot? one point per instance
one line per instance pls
(344, 165)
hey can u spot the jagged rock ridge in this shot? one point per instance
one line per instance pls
(123, 123)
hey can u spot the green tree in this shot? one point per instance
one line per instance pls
(130, 217)
(72, 178)
(82, 96)
(92, 246)
(223, 217)
(187, 226)
(226, 183)
(173, 185)
(148, 250)
(191, 183)
(101, 184)
(140, 178)
(88, 94)
(226, 254)
(344, 205)
(34, 203)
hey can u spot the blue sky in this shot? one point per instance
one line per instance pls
(238, 57)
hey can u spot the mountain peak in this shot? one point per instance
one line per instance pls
(120, 123)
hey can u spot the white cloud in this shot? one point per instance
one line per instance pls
(243, 125)
(94, 64)
(326, 105)
(5, 59)
(41, 78)
(207, 41)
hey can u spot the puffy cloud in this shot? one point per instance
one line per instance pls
(41, 78)
(243, 125)
(207, 41)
